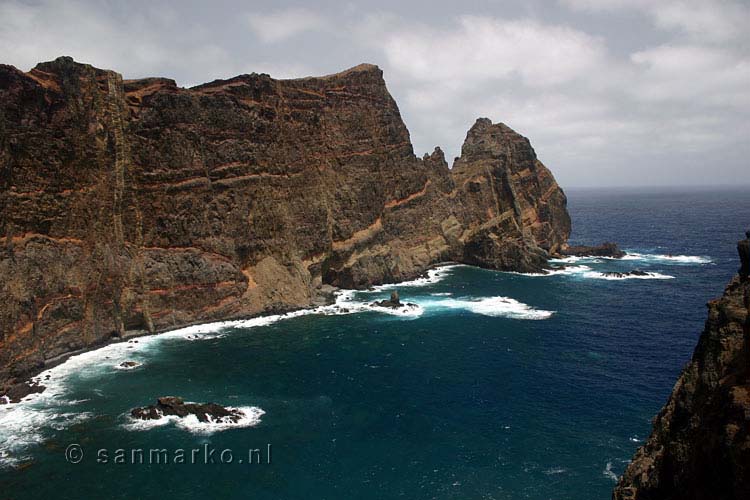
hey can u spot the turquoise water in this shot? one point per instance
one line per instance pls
(473, 395)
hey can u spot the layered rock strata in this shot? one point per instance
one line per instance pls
(139, 206)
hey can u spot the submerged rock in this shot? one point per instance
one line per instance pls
(173, 405)
(127, 365)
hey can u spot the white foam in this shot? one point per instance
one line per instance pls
(629, 255)
(588, 272)
(345, 304)
(648, 276)
(121, 366)
(21, 427)
(555, 470)
(562, 271)
(668, 259)
(441, 294)
(22, 424)
(250, 418)
(608, 472)
(573, 259)
(434, 275)
(494, 306)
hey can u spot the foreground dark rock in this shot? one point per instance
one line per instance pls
(138, 206)
(700, 445)
(17, 392)
(603, 250)
(171, 405)
(743, 249)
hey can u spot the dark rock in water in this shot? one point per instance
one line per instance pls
(173, 405)
(16, 393)
(128, 364)
(394, 302)
(634, 272)
(604, 250)
(700, 444)
(743, 248)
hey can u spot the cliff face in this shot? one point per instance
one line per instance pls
(138, 205)
(700, 444)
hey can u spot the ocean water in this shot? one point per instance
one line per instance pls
(495, 385)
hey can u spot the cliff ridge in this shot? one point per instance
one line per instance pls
(139, 206)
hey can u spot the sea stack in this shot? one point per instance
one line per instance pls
(394, 302)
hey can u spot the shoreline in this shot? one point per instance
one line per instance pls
(32, 384)
(326, 296)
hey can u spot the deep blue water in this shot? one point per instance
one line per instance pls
(470, 399)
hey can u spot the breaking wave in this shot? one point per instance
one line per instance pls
(251, 417)
(636, 256)
(668, 259)
(612, 277)
(585, 271)
(22, 424)
(432, 276)
(494, 306)
(608, 472)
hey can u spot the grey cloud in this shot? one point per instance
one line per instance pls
(611, 92)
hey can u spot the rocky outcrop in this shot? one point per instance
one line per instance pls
(175, 406)
(603, 250)
(634, 273)
(512, 209)
(17, 392)
(138, 206)
(394, 301)
(700, 444)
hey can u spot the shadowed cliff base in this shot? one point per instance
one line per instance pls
(700, 444)
(141, 206)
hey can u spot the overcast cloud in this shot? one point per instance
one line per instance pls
(610, 92)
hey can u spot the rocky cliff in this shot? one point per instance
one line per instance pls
(700, 444)
(137, 205)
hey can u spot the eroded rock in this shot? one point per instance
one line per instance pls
(234, 198)
(604, 250)
(17, 392)
(173, 405)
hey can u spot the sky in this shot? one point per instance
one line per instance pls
(613, 93)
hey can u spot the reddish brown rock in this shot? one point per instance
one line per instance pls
(138, 205)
